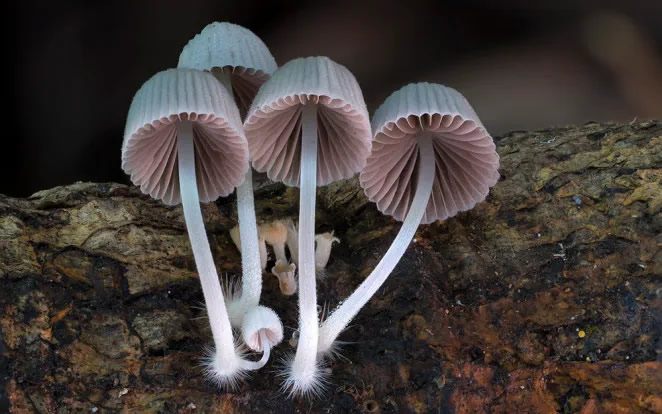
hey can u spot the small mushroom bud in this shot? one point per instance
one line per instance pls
(261, 331)
(275, 233)
(324, 243)
(285, 273)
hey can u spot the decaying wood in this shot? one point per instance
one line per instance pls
(547, 297)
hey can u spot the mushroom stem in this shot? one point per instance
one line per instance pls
(251, 263)
(251, 281)
(339, 319)
(211, 287)
(266, 351)
(225, 80)
(303, 374)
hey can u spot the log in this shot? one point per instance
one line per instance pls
(546, 297)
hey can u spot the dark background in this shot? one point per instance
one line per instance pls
(74, 66)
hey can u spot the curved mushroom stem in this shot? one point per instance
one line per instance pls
(219, 321)
(339, 319)
(303, 374)
(266, 351)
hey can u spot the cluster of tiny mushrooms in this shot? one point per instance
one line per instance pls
(425, 157)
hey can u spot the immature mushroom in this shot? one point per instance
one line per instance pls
(431, 158)
(324, 243)
(308, 126)
(241, 62)
(285, 273)
(185, 117)
(261, 330)
(275, 234)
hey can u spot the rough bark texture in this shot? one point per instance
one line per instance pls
(547, 297)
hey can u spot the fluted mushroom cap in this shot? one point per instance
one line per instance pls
(273, 124)
(235, 50)
(261, 318)
(149, 150)
(465, 155)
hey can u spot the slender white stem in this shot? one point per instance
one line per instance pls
(251, 281)
(250, 251)
(339, 319)
(266, 351)
(211, 287)
(303, 370)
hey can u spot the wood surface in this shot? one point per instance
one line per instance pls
(546, 297)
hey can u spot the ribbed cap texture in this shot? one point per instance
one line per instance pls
(225, 44)
(273, 124)
(234, 50)
(149, 150)
(466, 159)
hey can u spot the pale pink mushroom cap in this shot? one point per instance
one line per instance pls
(273, 124)
(234, 50)
(149, 150)
(466, 158)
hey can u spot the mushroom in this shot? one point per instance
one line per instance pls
(234, 55)
(261, 330)
(241, 62)
(431, 158)
(324, 243)
(275, 234)
(285, 273)
(184, 141)
(308, 126)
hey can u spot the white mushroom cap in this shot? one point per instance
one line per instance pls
(466, 161)
(149, 150)
(234, 50)
(261, 318)
(273, 124)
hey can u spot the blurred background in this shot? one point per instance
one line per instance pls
(523, 65)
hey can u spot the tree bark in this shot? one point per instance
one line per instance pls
(546, 297)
